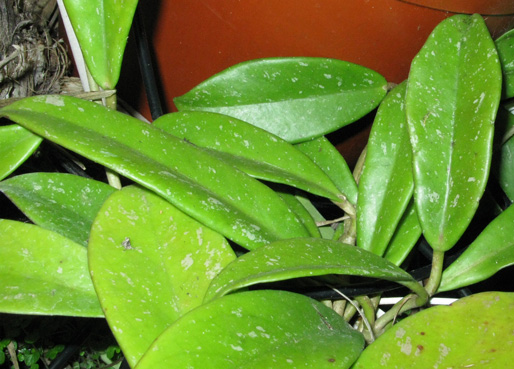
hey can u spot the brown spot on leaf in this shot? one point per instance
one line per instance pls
(420, 347)
(331, 360)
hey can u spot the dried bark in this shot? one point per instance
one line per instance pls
(32, 58)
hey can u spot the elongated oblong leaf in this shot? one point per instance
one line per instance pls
(491, 251)
(505, 46)
(505, 159)
(306, 257)
(205, 188)
(42, 272)
(405, 237)
(293, 98)
(386, 183)
(16, 145)
(452, 98)
(326, 156)
(251, 149)
(62, 203)
(150, 264)
(474, 332)
(102, 28)
(258, 329)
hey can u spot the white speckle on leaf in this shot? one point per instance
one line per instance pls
(54, 100)
(187, 262)
(236, 348)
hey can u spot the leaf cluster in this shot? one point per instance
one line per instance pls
(229, 196)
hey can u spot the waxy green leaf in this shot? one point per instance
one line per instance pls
(326, 156)
(16, 145)
(150, 264)
(62, 203)
(297, 205)
(405, 237)
(491, 251)
(102, 28)
(452, 98)
(474, 332)
(505, 46)
(205, 188)
(294, 98)
(258, 329)
(307, 257)
(386, 183)
(505, 159)
(250, 149)
(42, 272)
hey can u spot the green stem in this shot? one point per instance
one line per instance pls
(407, 303)
(436, 272)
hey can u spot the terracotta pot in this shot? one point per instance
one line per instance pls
(194, 39)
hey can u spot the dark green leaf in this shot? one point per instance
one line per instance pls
(42, 272)
(288, 259)
(62, 203)
(102, 28)
(386, 183)
(505, 159)
(473, 332)
(150, 264)
(16, 145)
(250, 149)
(258, 329)
(452, 98)
(505, 46)
(294, 98)
(205, 188)
(326, 156)
(297, 205)
(405, 237)
(491, 251)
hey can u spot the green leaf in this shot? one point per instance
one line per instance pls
(102, 28)
(505, 46)
(492, 250)
(326, 232)
(405, 237)
(250, 149)
(205, 188)
(452, 98)
(386, 183)
(42, 272)
(326, 156)
(504, 163)
(474, 332)
(294, 98)
(307, 257)
(297, 205)
(258, 329)
(16, 145)
(150, 264)
(62, 203)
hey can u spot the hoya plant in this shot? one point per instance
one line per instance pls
(232, 234)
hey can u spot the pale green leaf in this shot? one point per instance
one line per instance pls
(474, 332)
(16, 145)
(150, 265)
(258, 329)
(62, 203)
(42, 272)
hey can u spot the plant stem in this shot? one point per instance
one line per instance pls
(436, 272)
